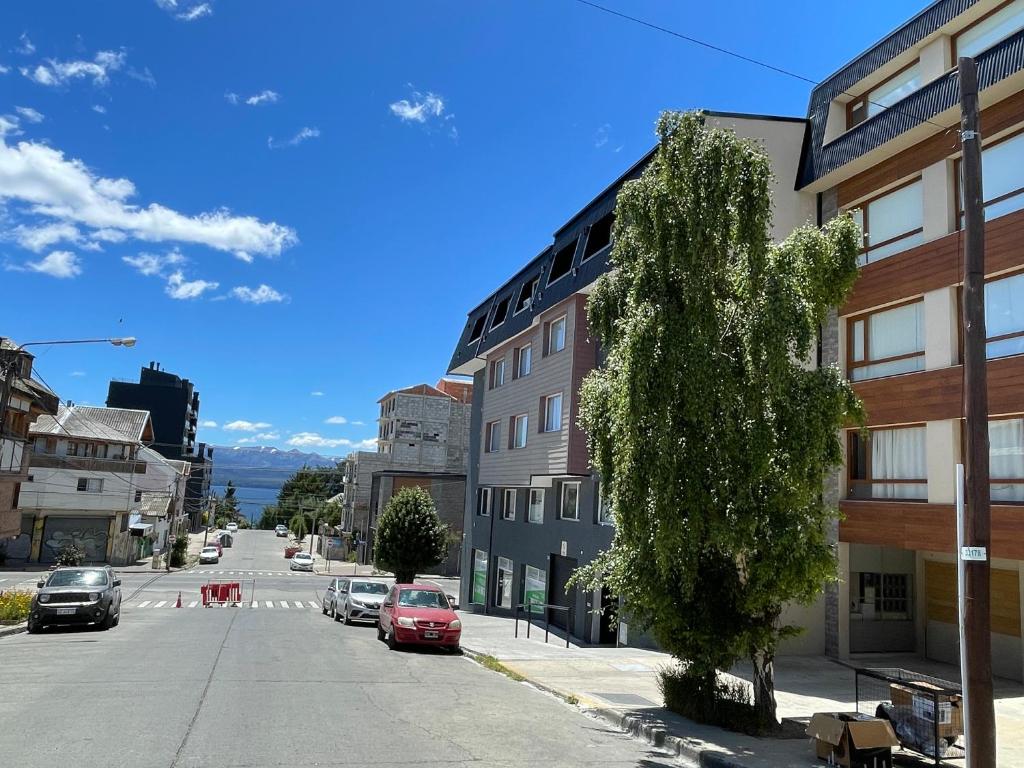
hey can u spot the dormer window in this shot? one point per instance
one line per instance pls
(562, 263)
(990, 30)
(526, 294)
(883, 96)
(501, 312)
(599, 237)
(478, 328)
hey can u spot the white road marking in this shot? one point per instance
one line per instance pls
(144, 603)
(193, 604)
(161, 604)
(284, 603)
(255, 603)
(312, 604)
(270, 603)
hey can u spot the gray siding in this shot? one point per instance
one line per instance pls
(546, 453)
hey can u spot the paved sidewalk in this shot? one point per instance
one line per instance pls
(621, 685)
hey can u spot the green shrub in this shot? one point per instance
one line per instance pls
(179, 551)
(15, 605)
(727, 704)
(70, 555)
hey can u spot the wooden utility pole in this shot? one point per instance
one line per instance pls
(981, 726)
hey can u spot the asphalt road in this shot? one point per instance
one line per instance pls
(275, 685)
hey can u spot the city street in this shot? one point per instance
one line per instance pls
(278, 684)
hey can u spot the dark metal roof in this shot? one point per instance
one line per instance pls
(995, 64)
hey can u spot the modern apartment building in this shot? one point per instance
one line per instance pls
(533, 511)
(884, 142)
(22, 401)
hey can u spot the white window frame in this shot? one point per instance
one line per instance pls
(561, 506)
(520, 429)
(496, 367)
(603, 506)
(539, 575)
(547, 412)
(508, 504)
(536, 502)
(492, 436)
(92, 485)
(985, 27)
(501, 596)
(483, 502)
(525, 370)
(562, 322)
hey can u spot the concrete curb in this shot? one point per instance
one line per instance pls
(13, 629)
(647, 729)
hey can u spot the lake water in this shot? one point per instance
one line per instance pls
(251, 501)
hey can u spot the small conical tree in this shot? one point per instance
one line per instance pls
(410, 535)
(298, 526)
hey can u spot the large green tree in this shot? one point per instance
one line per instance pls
(711, 431)
(410, 535)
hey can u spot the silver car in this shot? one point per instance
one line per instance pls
(77, 596)
(358, 599)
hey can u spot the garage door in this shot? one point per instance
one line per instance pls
(89, 534)
(940, 579)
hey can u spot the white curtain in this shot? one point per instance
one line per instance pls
(1006, 458)
(899, 454)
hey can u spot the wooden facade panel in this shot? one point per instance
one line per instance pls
(998, 117)
(936, 264)
(928, 527)
(940, 591)
(940, 597)
(936, 395)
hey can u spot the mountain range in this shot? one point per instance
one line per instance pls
(262, 466)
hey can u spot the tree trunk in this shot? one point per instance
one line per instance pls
(764, 689)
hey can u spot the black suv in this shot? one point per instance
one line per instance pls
(77, 596)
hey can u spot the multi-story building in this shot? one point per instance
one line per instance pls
(533, 511)
(422, 428)
(22, 401)
(173, 403)
(884, 143)
(93, 483)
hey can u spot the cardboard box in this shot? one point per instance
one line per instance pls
(922, 705)
(853, 740)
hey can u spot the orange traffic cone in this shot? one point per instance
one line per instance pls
(178, 604)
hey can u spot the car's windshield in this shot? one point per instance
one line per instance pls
(370, 587)
(77, 579)
(209, 549)
(422, 598)
(303, 556)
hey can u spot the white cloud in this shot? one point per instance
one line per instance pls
(263, 97)
(179, 288)
(317, 393)
(358, 423)
(25, 47)
(601, 135)
(208, 423)
(38, 239)
(54, 73)
(9, 126)
(419, 109)
(4, 70)
(268, 436)
(261, 295)
(99, 109)
(314, 440)
(298, 138)
(241, 425)
(55, 187)
(154, 264)
(77, 374)
(62, 264)
(196, 12)
(32, 115)
(336, 420)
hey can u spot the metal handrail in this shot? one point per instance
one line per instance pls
(529, 605)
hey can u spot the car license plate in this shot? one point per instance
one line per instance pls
(431, 635)
(65, 611)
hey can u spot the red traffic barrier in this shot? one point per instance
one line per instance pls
(221, 592)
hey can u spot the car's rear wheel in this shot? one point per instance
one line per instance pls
(348, 619)
(108, 620)
(392, 643)
(335, 615)
(380, 631)
(33, 627)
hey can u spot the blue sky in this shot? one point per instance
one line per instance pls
(295, 204)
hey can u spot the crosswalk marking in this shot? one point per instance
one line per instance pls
(161, 604)
(270, 603)
(289, 604)
(144, 604)
(255, 603)
(312, 604)
(193, 604)
(284, 603)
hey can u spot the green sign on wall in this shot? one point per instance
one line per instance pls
(479, 577)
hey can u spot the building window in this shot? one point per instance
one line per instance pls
(599, 237)
(138, 496)
(526, 295)
(503, 584)
(570, 506)
(561, 264)
(497, 373)
(1004, 316)
(45, 445)
(552, 409)
(989, 30)
(1006, 459)
(891, 223)
(90, 485)
(556, 335)
(882, 596)
(536, 511)
(492, 437)
(75, 449)
(479, 591)
(889, 464)
(604, 508)
(483, 502)
(508, 504)
(883, 96)
(520, 426)
(535, 588)
(524, 361)
(886, 343)
(478, 328)
(501, 312)
(1002, 174)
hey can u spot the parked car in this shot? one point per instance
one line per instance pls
(420, 614)
(209, 555)
(231, 527)
(302, 561)
(216, 543)
(281, 530)
(348, 599)
(77, 596)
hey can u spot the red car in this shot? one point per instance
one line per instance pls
(418, 614)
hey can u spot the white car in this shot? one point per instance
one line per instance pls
(209, 555)
(232, 527)
(302, 561)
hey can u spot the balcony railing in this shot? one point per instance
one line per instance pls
(12, 455)
(88, 464)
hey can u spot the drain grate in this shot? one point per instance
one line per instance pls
(625, 699)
